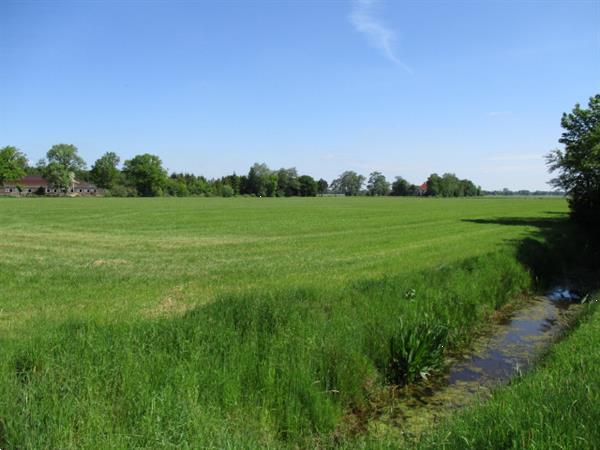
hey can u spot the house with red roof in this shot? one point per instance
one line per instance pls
(37, 185)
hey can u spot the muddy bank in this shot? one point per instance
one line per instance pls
(511, 347)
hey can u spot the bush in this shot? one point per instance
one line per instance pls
(227, 191)
(121, 191)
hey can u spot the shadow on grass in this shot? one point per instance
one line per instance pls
(556, 251)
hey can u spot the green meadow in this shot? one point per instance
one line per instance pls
(243, 322)
(123, 259)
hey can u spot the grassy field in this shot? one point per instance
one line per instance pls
(119, 259)
(239, 322)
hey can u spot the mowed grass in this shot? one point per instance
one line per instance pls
(118, 259)
(238, 322)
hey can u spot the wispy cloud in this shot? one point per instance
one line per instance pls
(499, 113)
(364, 19)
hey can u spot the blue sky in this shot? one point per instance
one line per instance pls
(408, 88)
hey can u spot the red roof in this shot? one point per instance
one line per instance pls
(32, 181)
(424, 186)
(35, 181)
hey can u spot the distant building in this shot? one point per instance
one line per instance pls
(33, 184)
(423, 189)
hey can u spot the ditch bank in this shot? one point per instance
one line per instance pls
(507, 349)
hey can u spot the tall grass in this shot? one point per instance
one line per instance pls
(259, 368)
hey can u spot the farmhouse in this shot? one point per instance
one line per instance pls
(33, 184)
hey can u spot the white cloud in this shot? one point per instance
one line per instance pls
(364, 20)
(499, 113)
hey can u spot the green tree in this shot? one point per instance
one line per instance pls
(308, 186)
(377, 184)
(578, 164)
(434, 185)
(322, 186)
(146, 174)
(62, 166)
(401, 187)
(234, 181)
(261, 181)
(176, 187)
(450, 185)
(469, 189)
(348, 183)
(13, 164)
(104, 172)
(287, 182)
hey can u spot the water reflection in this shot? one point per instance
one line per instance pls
(511, 349)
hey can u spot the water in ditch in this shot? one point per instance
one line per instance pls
(512, 347)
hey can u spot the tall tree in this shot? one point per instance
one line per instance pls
(287, 182)
(377, 184)
(62, 166)
(578, 164)
(234, 181)
(104, 172)
(261, 181)
(308, 186)
(348, 183)
(146, 174)
(400, 187)
(322, 186)
(434, 185)
(13, 164)
(469, 189)
(450, 185)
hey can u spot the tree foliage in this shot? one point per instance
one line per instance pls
(449, 185)
(377, 184)
(307, 186)
(261, 181)
(62, 165)
(401, 187)
(322, 186)
(146, 174)
(578, 165)
(288, 183)
(186, 184)
(105, 172)
(348, 183)
(13, 164)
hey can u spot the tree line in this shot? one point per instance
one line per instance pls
(524, 193)
(144, 176)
